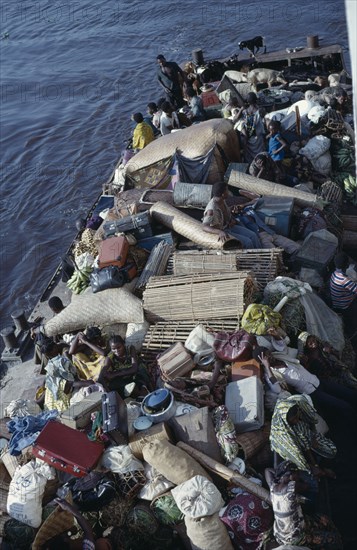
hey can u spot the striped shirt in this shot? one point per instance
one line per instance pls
(343, 290)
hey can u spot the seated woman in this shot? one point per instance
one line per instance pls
(294, 436)
(292, 526)
(88, 353)
(61, 380)
(122, 368)
(320, 359)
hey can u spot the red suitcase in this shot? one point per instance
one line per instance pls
(113, 251)
(67, 449)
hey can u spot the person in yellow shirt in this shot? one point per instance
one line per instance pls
(143, 133)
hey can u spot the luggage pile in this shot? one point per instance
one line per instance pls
(179, 461)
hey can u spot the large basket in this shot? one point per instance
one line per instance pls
(199, 297)
(265, 264)
(250, 443)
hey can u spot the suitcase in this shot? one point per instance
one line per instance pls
(78, 415)
(245, 403)
(176, 361)
(196, 428)
(67, 450)
(113, 251)
(137, 224)
(114, 412)
(244, 369)
(276, 212)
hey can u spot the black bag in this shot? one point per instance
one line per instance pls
(111, 277)
(93, 492)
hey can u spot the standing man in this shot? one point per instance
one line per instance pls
(171, 77)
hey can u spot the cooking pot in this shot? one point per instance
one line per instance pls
(164, 403)
(156, 401)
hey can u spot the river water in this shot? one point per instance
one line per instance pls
(72, 73)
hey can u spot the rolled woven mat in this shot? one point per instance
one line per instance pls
(226, 473)
(189, 228)
(264, 187)
(115, 305)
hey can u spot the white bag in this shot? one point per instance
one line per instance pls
(323, 164)
(197, 497)
(22, 407)
(200, 341)
(120, 460)
(156, 484)
(24, 501)
(315, 147)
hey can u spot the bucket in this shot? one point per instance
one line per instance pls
(197, 57)
(313, 41)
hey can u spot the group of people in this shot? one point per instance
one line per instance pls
(90, 359)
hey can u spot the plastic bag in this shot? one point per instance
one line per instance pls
(315, 147)
(200, 341)
(258, 319)
(156, 484)
(120, 460)
(323, 164)
(135, 334)
(22, 407)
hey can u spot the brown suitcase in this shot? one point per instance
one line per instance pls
(176, 361)
(113, 251)
(244, 369)
(79, 415)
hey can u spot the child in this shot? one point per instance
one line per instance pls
(276, 146)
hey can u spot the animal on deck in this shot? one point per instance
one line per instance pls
(265, 76)
(253, 45)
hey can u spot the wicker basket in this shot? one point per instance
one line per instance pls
(131, 483)
(331, 192)
(250, 443)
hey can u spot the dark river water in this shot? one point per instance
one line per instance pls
(72, 73)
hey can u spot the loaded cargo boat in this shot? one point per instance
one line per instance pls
(182, 296)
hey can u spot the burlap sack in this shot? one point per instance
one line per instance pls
(192, 142)
(208, 533)
(115, 305)
(172, 462)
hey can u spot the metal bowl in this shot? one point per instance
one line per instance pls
(156, 401)
(162, 415)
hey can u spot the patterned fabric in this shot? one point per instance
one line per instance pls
(289, 524)
(88, 545)
(343, 290)
(247, 518)
(258, 319)
(59, 403)
(290, 442)
(117, 364)
(155, 175)
(225, 433)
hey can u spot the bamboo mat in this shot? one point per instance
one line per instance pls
(156, 264)
(265, 264)
(199, 297)
(161, 336)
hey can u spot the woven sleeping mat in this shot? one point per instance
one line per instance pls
(115, 305)
(199, 296)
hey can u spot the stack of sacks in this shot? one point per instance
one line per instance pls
(317, 152)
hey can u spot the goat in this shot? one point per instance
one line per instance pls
(253, 45)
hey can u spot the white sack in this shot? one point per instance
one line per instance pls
(197, 497)
(24, 501)
(315, 147)
(135, 335)
(22, 407)
(323, 164)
